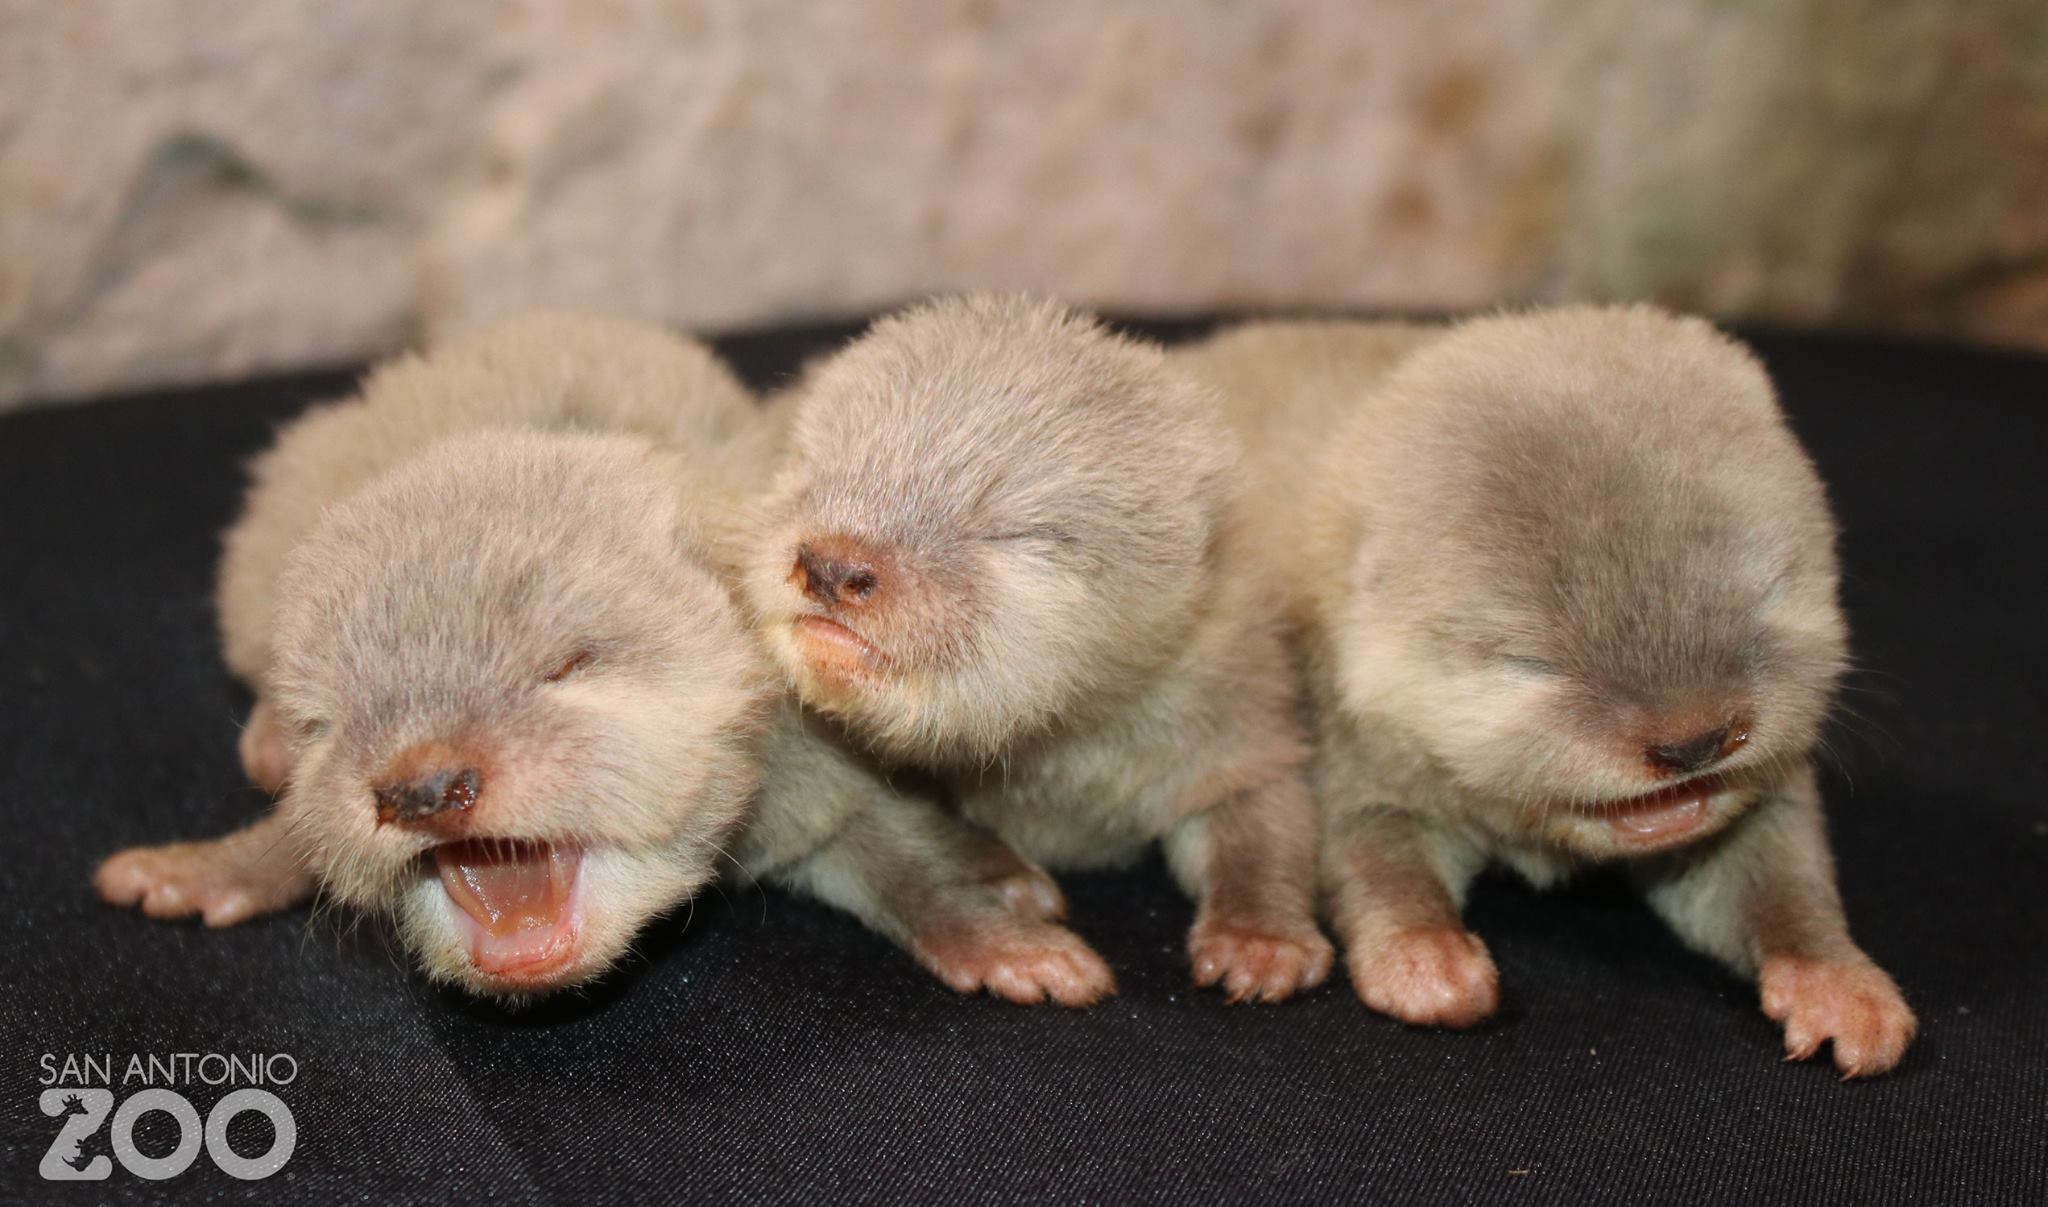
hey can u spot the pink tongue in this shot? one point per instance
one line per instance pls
(1656, 816)
(508, 887)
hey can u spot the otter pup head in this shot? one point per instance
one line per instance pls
(992, 511)
(522, 711)
(1594, 574)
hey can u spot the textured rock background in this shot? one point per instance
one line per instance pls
(195, 188)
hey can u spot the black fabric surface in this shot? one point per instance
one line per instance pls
(767, 1049)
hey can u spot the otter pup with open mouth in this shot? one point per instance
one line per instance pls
(500, 686)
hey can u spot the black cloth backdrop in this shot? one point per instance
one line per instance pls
(762, 1048)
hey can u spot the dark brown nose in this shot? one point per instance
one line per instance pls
(832, 577)
(427, 795)
(1698, 752)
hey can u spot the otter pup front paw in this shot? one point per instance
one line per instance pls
(225, 881)
(1020, 961)
(1258, 960)
(1846, 999)
(1428, 977)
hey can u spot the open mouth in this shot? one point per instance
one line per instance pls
(1660, 816)
(515, 898)
(833, 648)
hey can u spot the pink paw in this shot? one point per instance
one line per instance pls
(1846, 999)
(217, 880)
(1431, 977)
(1020, 961)
(1266, 960)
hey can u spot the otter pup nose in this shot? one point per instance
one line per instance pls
(427, 795)
(835, 572)
(1698, 751)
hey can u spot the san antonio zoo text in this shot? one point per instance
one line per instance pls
(81, 1091)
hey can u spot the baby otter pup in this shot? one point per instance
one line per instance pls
(1003, 548)
(1569, 592)
(511, 698)
(515, 706)
(521, 715)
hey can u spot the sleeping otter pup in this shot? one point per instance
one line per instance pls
(1004, 547)
(1567, 588)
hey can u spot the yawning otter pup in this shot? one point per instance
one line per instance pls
(520, 714)
(1568, 590)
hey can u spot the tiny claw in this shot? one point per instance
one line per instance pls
(1842, 999)
(1021, 961)
(1262, 960)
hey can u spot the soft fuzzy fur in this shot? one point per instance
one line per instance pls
(543, 371)
(457, 567)
(1534, 557)
(483, 562)
(1003, 547)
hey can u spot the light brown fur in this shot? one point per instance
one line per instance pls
(1005, 547)
(536, 610)
(1567, 589)
(489, 588)
(543, 372)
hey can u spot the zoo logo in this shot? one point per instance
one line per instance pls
(81, 1112)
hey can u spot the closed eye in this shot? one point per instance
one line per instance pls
(570, 665)
(1047, 534)
(1522, 664)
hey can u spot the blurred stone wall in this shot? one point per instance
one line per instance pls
(197, 188)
